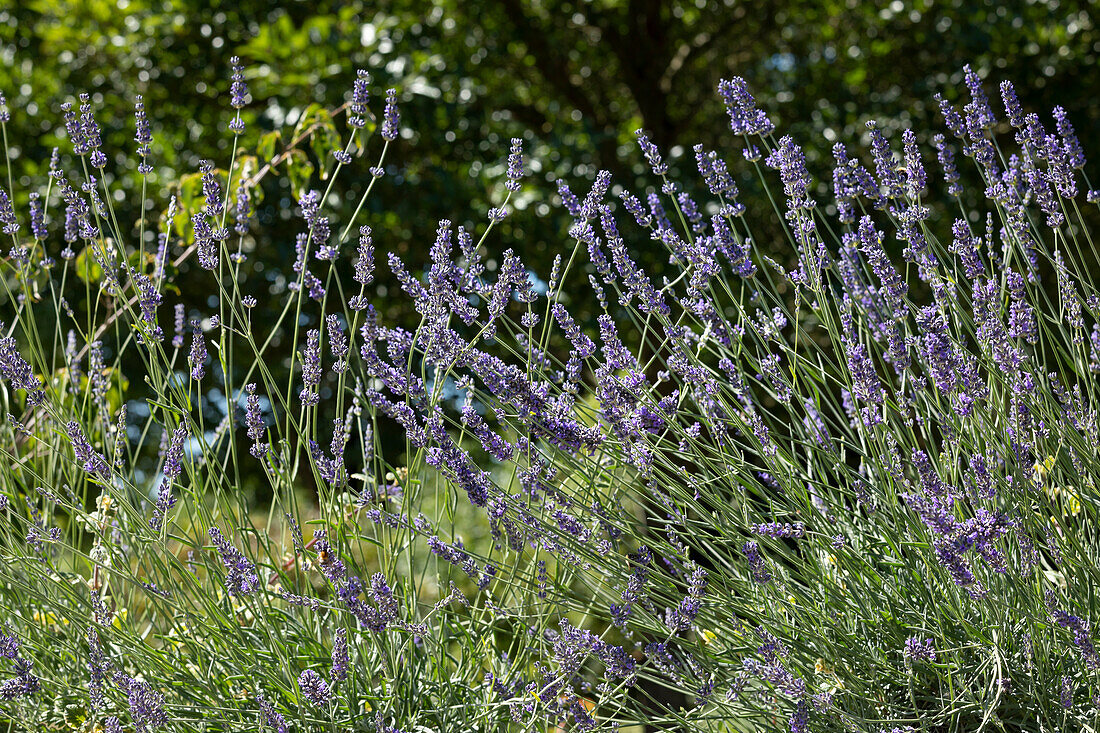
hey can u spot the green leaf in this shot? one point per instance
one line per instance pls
(265, 150)
(190, 191)
(87, 269)
(323, 137)
(299, 169)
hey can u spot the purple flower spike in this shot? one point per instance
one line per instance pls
(238, 94)
(515, 165)
(241, 578)
(197, 357)
(311, 369)
(391, 118)
(314, 688)
(16, 370)
(756, 562)
(340, 661)
(745, 118)
(272, 718)
(93, 461)
(143, 136)
(364, 266)
(918, 650)
(360, 96)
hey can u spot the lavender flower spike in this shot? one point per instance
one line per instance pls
(16, 370)
(241, 578)
(515, 165)
(93, 461)
(918, 650)
(314, 688)
(146, 706)
(238, 94)
(340, 659)
(391, 118)
(745, 118)
(7, 214)
(198, 352)
(360, 95)
(311, 369)
(364, 266)
(756, 562)
(255, 421)
(272, 718)
(143, 136)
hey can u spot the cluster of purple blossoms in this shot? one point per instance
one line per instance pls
(773, 671)
(953, 370)
(1080, 628)
(173, 467)
(651, 153)
(146, 705)
(98, 668)
(515, 165)
(684, 616)
(1066, 694)
(760, 573)
(318, 226)
(18, 372)
(571, 648)
(238, 94)
(179, 312)
(311, 369)
(917, 650)
(255, 421)
(38, 222)
(866, 386)
(197, 357)
(92, 460)
(332, 469)
(887, 171)
(241, 578)
(952, 539)
(797, 530)
(213, 206)
(338, 343)
(149, 299)
(242, 213)
(391, 118)
(87, 140)
(25, 682)
(143, 136)
(314, 688)
(635, 587)
(364, 265)
(206, 247)
(271, 717)
(717, 178)
(340, 660)
(7, 214)
(745, 118)
(360, 97)
(349, 588)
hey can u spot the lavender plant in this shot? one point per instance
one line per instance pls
(831, 488)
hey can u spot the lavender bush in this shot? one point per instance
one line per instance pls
(855, 493)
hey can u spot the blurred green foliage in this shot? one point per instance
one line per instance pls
(574, 78)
